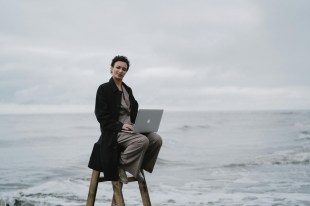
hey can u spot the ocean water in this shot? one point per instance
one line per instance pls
(208, 158)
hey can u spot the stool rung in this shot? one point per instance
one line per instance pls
(130, 179)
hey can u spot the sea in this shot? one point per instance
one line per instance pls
(212, 158)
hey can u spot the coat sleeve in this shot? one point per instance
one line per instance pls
(102, 112)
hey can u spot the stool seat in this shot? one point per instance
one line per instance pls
(118, 199)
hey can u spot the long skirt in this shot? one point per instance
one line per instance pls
(139, 151)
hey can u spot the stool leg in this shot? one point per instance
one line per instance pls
(93, 188)
(144, 193)
(113, 201)
(113, 198)
(118, 198)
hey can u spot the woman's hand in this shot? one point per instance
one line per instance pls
(127, 127)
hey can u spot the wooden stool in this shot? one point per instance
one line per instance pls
(118, 199)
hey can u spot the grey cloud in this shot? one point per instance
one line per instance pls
(213, 54)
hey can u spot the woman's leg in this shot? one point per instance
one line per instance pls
(151, 154)
(134, 150)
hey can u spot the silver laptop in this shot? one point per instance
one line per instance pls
(147, 120)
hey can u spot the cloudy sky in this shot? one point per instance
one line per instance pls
(209, 55)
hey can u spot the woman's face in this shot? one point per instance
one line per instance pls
(119, 70)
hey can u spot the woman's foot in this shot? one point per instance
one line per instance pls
(140, 177)
(122, 176)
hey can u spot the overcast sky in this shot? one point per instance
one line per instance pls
(209, 55)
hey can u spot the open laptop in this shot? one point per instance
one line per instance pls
(147, 120)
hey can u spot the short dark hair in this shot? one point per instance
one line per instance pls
(122, 59)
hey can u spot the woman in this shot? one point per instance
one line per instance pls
(116, 110)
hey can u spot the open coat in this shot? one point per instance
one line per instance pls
(105, 154)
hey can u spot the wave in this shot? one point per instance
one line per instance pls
(306, 132)
(50, 193)
(189, 127)
(299, 156)
(240, 165)
(292, 157)
(288, 113)
(84, 127)
(304, 135)
(164, 162)
(34, 200)
(19, 202)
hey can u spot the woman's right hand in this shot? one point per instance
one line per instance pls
(127, 127)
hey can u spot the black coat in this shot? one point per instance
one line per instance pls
(105, 154)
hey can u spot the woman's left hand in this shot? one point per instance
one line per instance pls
(127, 127)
